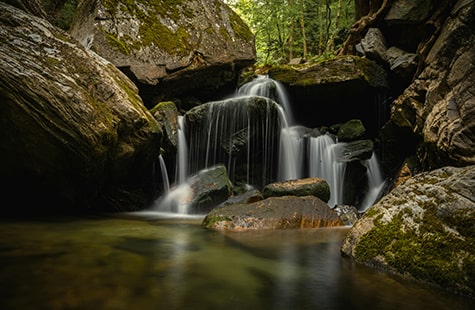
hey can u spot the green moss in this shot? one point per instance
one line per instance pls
(152, 31)
(240, 28)
(211, 220)
(120, 45)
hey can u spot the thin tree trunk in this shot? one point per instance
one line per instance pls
(328, 19)
(302, 28)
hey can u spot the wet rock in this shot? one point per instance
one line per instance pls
(303, 187)
(209, 188)
(273, 213)
(424, 229)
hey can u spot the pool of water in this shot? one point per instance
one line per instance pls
(155, 261)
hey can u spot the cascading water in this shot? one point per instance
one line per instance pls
(164, 172)
(323, 164)
(241, 133)
(246, 133)
(182, 154)
(376, 183)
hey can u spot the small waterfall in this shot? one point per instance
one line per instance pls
(323, 164)
(176, 200)
(242, 133)
(376, 183)
(291, 155)
(163, 170)
(182, 154)
(269, 88)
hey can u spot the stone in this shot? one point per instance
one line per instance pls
(169, 48)
(303, 187)
(74, 133)
(288, 212)
(422, 229)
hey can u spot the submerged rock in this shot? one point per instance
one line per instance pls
(424, 229)
(273, 213)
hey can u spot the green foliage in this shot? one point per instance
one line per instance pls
(287, 29)
(61, 12)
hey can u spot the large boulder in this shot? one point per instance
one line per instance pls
(424, 229)
(273, 213)
(73, 130)
(169, 48)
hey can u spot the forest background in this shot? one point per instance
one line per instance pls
(298, 30)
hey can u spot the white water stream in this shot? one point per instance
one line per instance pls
(298, 156)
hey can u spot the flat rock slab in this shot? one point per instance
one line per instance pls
(273, 213)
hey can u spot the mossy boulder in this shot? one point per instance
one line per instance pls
(352, 130)
(303, 187)
(74, 132)
(273, 213)
(171, 48)
(166, 113)
(423, 229)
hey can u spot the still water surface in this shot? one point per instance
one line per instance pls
(152, 261)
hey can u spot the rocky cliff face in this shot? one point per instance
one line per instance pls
(73, 130)
(170, 49)
(424, 227)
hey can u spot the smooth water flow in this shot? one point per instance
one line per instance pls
(376, 183)
(182, 154)
(269, 88)
(323, 164)
(164, 172)
(258, 143)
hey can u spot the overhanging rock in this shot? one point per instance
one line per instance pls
(170, 49)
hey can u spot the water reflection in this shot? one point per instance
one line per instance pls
(154, 261)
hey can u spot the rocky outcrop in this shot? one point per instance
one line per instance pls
(166, 114)
(426, 47)
(73, 129)
(424, 229)
(439, 107)
(170, 49)
(242, 132)
(273, 213)
(33, 7)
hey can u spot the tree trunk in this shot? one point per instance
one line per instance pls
(360, 28)
(302, 28)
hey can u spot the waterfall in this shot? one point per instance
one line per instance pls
(163, 170)
(182, 154)
(323, 164)
(269, 88)
(376, 183)
(291, 157)
(241, 133)
(254, 136)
